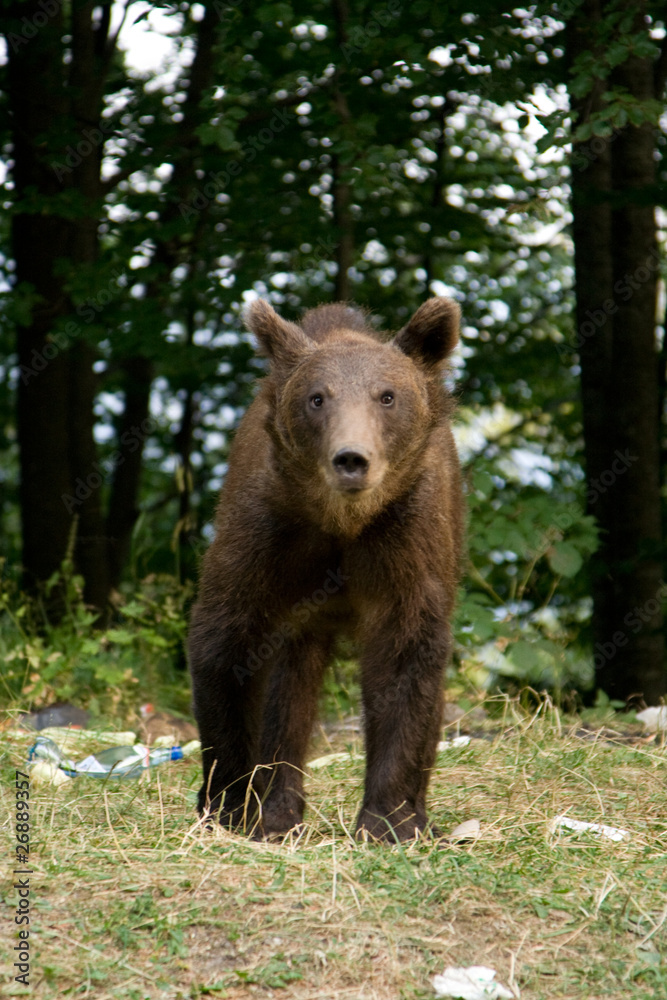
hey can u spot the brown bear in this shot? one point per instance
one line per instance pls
(342, 512)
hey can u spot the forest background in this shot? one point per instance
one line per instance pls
(511, 158)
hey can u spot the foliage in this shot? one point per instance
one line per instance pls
(516, 623)
(297, 114)
(513, 626)
(421, 127)
(108, 671)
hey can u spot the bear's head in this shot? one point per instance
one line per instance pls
(350, 415)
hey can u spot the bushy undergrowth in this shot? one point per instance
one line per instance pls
(521, 616)
(109, 671)
(524, 609)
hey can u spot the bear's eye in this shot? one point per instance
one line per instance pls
(387, 398)
(316, 400)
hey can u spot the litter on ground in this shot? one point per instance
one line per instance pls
(456, 741)
(331, 758)
(50, 765)
(474, 983)
(654, 718)
(469, 830)
(610, 832)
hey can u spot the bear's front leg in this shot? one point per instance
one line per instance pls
(227, 694)
(289, 714)
(403, 704)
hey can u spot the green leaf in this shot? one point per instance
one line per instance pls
(583, 132)
(601, 128)
(636, 115)
(545, 142)
(120, 636)
(219, 135)
(565, 559)
(601, 699)
(482, 482)
(475, 620)
(524, 655)
(620, 117)
(645, 48)
(617, 53)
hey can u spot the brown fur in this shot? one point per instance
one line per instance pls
(341, 513)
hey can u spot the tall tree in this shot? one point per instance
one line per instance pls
(616, 81)
(54, 229)
(60, 61)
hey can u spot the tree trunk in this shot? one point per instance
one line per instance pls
(615, 265)
(54, 105)
(38, 109)
(638, 666)
(86, 84)
(131, 431)
(341, 189)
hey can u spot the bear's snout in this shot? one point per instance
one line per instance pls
(351, 465)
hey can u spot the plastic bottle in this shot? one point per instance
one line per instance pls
(115, 762)
(45, 749)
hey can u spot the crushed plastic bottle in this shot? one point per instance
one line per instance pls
(115, 762)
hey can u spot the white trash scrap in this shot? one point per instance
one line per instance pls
(457, 741)
(338, 758)
(610, 832)
(654, 718)
(474, 983)
(332, 758)
(468, 830)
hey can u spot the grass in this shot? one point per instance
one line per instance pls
(131, 898)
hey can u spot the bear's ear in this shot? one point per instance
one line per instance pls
(432, 333)
(282, 342)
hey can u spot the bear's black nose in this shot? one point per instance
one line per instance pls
(350, 464)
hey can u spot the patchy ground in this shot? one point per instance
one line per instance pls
(131, 898)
